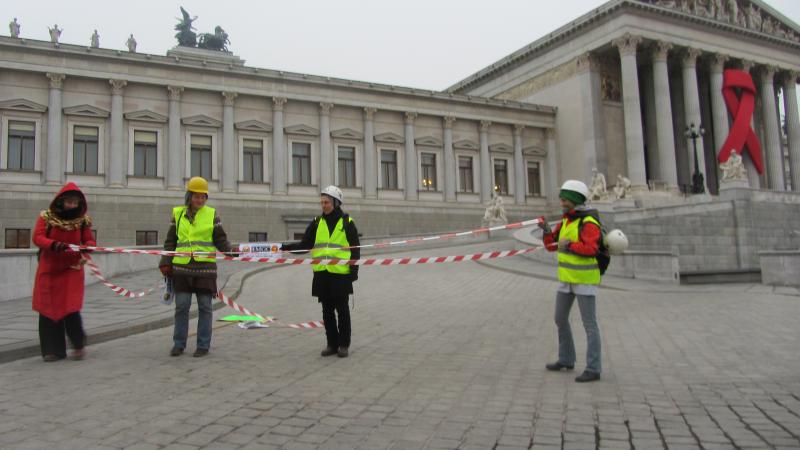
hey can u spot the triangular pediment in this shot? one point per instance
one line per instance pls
(253, 125)
(86, 111)
(534, 150)
(145, 115)
(430, 141)
(20, 104)
(201, 120)
(501, 147)
(465, 144)
(389, 138)
(347, 133)
(302, 130)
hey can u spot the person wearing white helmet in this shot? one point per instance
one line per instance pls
(577, 240)
(331, 236)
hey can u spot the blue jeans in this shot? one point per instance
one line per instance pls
(183, 301)
(566, 346)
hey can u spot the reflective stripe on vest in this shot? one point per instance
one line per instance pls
(329, 246)
(194, 236)
(572, 268)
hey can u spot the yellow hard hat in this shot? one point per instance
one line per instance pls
(197, 184)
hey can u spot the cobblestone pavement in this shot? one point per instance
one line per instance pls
(443, 356)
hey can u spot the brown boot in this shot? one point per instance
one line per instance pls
(200, 352)
(77, 354)
(50, 357)
(176, 351)
(328, 351)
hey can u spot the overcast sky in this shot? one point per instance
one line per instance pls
(427, 44)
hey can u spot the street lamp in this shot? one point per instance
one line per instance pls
(692, 132)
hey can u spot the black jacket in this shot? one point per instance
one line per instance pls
(328, 285)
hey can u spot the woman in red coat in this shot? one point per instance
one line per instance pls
(58, 289)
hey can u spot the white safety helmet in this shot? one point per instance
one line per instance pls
(333, 191)
(616, 242)
(576, 186)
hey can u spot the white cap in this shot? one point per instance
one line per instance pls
(576, 186)
(333, 191)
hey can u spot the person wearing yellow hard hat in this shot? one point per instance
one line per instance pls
(196, 228)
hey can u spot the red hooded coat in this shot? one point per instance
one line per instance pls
(58, 289)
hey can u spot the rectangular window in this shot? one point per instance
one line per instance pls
(428, 161)
(465, 178)
(301, 163)
(84, 149)
(253, 163)
(389, 169)
(21, 145)
(257, 236)
(501, 176)
(534, 179)
(347, 166)
(145, 153)
(201, 156)
(18, 238)
(147, 238)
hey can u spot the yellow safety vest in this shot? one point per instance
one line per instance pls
(572, 268)
(330, 246)
(196, 236)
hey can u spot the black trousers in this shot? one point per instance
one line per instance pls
(51, 334)
(337, 336)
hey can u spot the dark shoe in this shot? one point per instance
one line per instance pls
(176, 351)
(50, 358)
(77, 354)
(556, 366)
(343, 352)
(328, 351)
(200, 352)
(587, 376)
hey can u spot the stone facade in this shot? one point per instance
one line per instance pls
(202, 115)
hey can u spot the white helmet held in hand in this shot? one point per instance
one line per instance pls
(576, 186)
(333, 191)
(616, 242)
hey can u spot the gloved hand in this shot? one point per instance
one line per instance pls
(544, 225)
(57, 246)
(564, 244)
(166, 270)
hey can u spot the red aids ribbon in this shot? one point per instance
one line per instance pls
(741, 109)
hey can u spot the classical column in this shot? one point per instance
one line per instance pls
(691, 97)
(594, 140)
(792, 127)
(753, 177)
(279, 157)
(634, 139)
(719, 111)
(175, 151)
(230, 158)
(774, 149)
(54, 167)
(117, 155)
(327, 164)
(450, 167)
(370, 158)
(486, 163)
(410, 158)
(551, 178)
(667, 162)
(519, 166)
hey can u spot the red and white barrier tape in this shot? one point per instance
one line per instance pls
(121, 291)
(223, 256)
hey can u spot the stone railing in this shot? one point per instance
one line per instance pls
(18, 269)
(780, 267)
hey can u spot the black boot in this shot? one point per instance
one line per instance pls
(556, 366)
(328, 351)
(587, 376)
